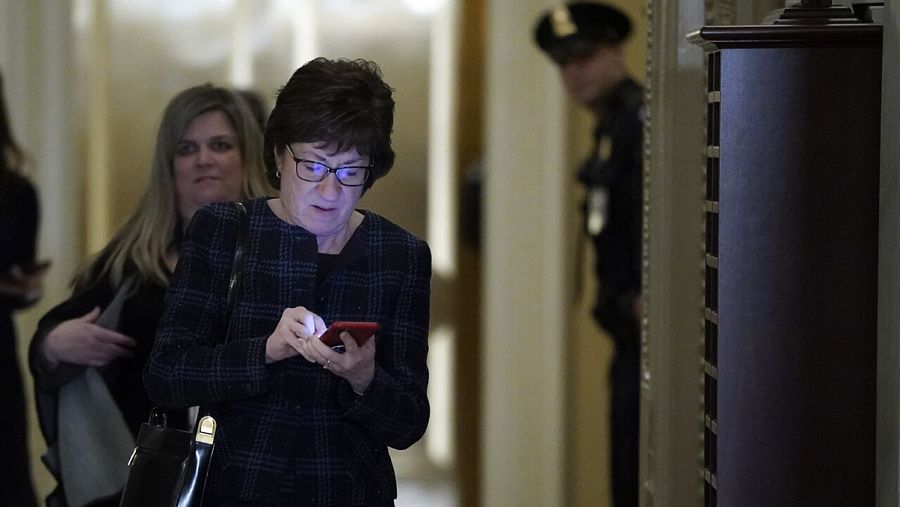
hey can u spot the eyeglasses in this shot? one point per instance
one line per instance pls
(312, 171)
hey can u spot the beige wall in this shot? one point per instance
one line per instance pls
(37, 71)
(146, 56)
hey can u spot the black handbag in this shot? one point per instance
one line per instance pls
(168, 467)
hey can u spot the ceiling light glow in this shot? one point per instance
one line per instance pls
(424, 7)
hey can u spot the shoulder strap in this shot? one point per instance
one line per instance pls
(237, 267)
(158, 415)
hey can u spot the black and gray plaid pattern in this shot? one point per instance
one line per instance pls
(292, 432)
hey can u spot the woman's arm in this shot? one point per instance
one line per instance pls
(394, 408)
(188, 364)
(49, 373)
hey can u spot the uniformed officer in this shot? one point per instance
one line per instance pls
(585, 40)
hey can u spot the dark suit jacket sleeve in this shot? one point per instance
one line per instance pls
(188, 365)
(395, 408)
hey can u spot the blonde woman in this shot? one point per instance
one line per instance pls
(207, 150)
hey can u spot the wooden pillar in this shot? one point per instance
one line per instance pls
(887, 469)
(468, 302)
(791, 268)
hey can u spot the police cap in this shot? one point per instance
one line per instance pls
(574, 29)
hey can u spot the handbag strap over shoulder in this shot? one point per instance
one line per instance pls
(196, 413)
(237, 267)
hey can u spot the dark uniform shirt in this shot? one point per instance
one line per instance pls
(613, 177)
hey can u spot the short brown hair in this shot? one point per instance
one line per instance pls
(341, 103)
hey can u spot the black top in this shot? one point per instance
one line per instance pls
(615, 164)
(18, 228)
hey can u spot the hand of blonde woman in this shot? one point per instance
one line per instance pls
(80, 341)
(292, 334)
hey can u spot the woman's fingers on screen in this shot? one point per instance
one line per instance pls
(295, 329)
(305, 317)
(312, 322)
(295, 336)
(305, 348)
(348, 341)
(320, 326)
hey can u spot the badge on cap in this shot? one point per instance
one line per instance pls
(561, 20)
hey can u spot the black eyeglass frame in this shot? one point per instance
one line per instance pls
(297, 161)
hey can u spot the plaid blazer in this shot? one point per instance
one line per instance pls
(291, 432)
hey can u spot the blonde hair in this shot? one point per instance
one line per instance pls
(154, 229)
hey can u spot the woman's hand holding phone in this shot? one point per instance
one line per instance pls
(292, 335)
(295, 335)
(353, 360)
(360, 331)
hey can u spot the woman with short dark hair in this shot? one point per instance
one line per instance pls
(298, 422)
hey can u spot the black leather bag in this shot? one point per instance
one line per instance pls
(168, 467)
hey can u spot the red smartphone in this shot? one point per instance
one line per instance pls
(360, 331)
